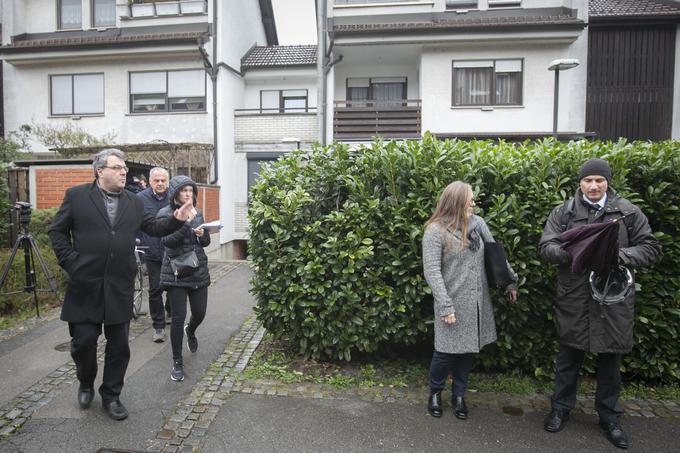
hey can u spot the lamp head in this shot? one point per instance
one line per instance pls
(563, 64)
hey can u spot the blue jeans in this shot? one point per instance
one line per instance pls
(459, 365)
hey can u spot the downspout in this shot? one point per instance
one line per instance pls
(213, 78)
(320, 68)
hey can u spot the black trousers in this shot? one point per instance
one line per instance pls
(84, 338)
(198, 300)
(459, 365)
(567, 369)
(156, 307)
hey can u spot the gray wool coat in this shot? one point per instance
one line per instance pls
(459, 285)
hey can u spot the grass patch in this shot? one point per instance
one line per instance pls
(277, 360)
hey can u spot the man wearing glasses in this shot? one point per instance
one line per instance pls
(93, 236)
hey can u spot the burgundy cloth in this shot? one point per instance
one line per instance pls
(594, 246)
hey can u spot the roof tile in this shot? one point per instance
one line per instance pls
(279, 56)
(624, 8)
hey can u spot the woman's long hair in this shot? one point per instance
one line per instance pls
(452, 208)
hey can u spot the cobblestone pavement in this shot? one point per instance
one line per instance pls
(15, 413)
(189, 423)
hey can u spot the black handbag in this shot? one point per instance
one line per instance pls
(496, 264)
(184, 264)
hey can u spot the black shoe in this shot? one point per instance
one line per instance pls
(192, 341)
(177, 372)
(115, 410)
(85, 395)
(434, 405)
(555, 420)
(460, 409)
(615, 434)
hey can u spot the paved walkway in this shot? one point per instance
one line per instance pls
(217, 410)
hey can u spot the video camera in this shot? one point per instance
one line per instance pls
(24, 212)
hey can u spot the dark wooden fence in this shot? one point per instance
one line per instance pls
(363, 120)
(630, 81)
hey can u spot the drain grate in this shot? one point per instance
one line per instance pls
(116, 450)
(63, 347)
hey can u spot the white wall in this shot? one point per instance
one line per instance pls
(279, 79)
(535, 115)
(240, 23)
(26, 100)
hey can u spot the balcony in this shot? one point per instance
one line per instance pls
(256, 126)
(363, 120)
(162, 8)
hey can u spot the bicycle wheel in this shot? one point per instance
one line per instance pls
(139, 293)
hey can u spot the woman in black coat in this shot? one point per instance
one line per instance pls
(192, 283)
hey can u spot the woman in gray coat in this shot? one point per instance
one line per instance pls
(453, 263)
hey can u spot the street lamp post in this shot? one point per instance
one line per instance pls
(557, 66)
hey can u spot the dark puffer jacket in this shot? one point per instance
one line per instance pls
(183, 241)
(581, 322)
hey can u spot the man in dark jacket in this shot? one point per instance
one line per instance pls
(583, 324)
(154, 198)
(93, 235)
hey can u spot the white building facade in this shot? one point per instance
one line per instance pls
(137, 73)
(474, 68)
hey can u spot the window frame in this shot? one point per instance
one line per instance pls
(73, 113)
(282, 100)
(167, 99)
(492, 88)
(93, 16)
(371, 85)
(59, 19)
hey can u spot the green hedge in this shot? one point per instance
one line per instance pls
(336, 243)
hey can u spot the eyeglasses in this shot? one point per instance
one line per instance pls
(117, 168)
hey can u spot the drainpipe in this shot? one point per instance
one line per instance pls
(213, 78)
(320, 69)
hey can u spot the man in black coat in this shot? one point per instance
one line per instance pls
(93, 235)
(154, 198)
(583, 325)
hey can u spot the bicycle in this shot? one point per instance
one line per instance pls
(139, 281)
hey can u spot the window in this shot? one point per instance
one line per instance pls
(77, 94)
(167, 91)
(70, 14)
(103, 13)
(283, 101)
(384, 89)
(487, 82)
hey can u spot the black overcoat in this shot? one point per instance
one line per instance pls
(581, 322)
(99, 257)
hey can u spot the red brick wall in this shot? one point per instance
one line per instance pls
(209, 201)
(51, 184)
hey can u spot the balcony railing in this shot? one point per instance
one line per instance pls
(150, 8)
(361, 120)
(253, 126)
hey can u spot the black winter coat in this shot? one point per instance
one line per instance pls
(183, 241)
(582, 323)
(99, 257)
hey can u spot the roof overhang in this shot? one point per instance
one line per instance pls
(167, 40)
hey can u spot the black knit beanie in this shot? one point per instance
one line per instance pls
(593, 167)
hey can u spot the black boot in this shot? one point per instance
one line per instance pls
(434, 405)
(460, 408)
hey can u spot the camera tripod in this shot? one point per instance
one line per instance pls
(27, 243)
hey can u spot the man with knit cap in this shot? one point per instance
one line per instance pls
(584, 325)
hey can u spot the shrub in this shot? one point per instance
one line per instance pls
(336, 243)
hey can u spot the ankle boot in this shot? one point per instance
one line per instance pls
(459, 407)
(434, 405)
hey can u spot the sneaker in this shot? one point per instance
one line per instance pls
(177, 373)
(192, 341)
(159, 336)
